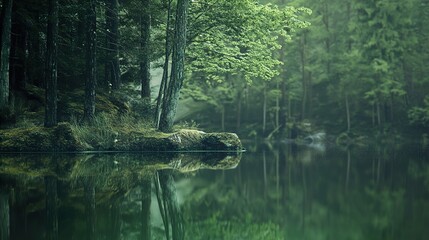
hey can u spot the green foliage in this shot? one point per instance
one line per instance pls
(420, 115)
(238, 38)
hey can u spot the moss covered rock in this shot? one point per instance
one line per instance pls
(221, 142)
(62, 138)
(183, 140)
(39, 139)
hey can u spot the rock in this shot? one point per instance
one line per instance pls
(39, 139)
(183, 140)
(221, 142)
(62, 139)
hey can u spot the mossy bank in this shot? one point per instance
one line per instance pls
(66, 138)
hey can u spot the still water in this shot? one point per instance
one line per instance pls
(272, 191)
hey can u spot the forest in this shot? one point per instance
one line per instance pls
(259, 68)
(214, 119)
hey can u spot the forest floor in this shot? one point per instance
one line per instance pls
(121, 124)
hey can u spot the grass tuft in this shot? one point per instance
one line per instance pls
(104, 130)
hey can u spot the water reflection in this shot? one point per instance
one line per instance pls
(169, 206)
(98, 196)
(4, 214)
(278, 191)
(298, 192)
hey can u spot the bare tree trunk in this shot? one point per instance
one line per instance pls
(112, 73)
(348, 113)
(90, 80)
(238, 118)
(223, 118)
(35, 75)
(164, 81)
(304, 81)
(277, 119)
(178, 66)
(264, 111)
(51, 66)
(326, 22)
(391, 109)
(378, 114)
(6, 16)
(18, 53)
(145, 24)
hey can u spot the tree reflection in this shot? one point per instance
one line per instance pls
(51, 207)
(89, 192)
(103, 196)
(146, 201)
(169, 206)
(4, 214)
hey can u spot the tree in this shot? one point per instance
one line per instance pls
(5, 51)
(51, 65)
(90, 80)
(145, 25)
(380, 23)
(238, 39)
(112, 70)
(167, 52)
(171, 98)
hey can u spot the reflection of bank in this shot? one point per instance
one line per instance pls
(82, 196)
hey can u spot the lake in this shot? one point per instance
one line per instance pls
(272, 191)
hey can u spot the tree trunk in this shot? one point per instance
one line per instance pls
(177, 70)
(264, 111)
(18, 50)
(164, 81)
(277, 113)
(35, 72)
(378, 114)
(392, 113)
(51, 66)
(51, 208)
(4, 215)
(348, 113)
(113, 74)
(145, 24)
(146, 201)
(222, 120)
(239, 100)
(90, 80)
(304, 81)
(5, 52)
(326, 22)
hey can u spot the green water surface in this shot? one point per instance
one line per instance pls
(272, 191)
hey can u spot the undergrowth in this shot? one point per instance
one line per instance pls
(105, 129)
